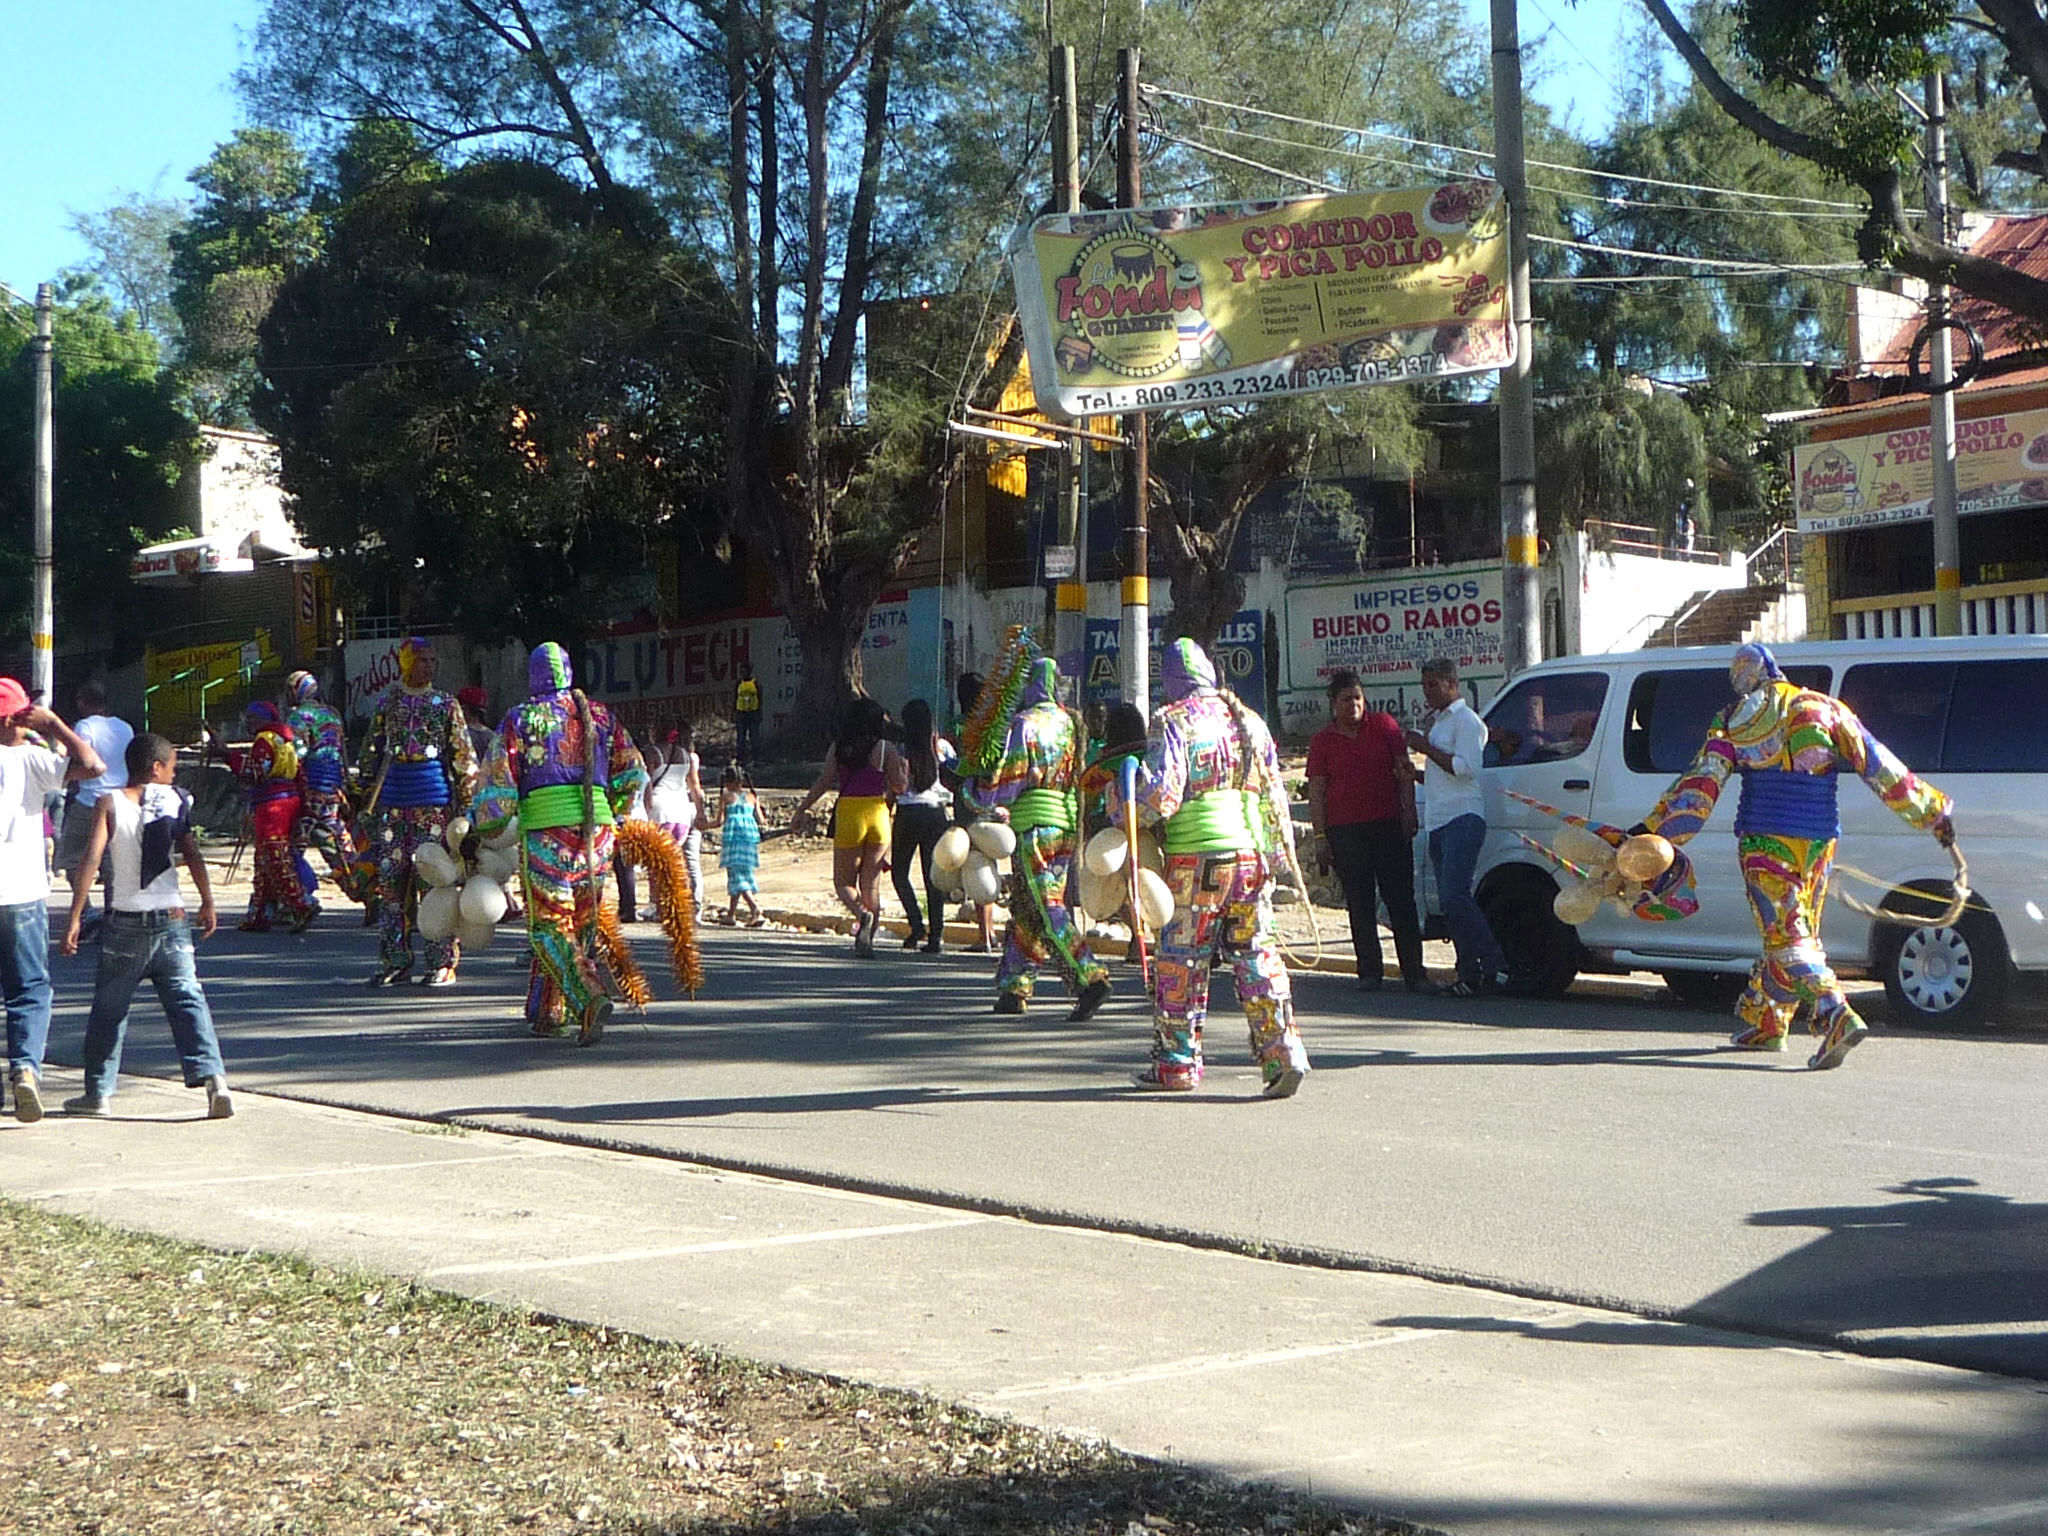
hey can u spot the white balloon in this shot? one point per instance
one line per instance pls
(951, 850)
(980, 881)
(440, 911)
(483, 901)
(436, 865)
(1107, 851)
(475, 936)
(1155, 900)
(993, 838)
(458, 829)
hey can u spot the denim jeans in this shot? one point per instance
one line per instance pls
(156, 946)
(25, 979)
(1453, 853)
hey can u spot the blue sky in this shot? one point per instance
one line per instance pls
(130, 95)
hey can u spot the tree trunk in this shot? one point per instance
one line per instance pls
(1207, 593)
(829, 638)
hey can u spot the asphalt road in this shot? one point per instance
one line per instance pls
(1603, 1150)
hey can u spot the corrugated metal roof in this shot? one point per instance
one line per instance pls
(2017, 242)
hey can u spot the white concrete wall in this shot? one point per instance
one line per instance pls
(1622, 598)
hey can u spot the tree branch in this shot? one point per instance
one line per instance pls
(1738, 106)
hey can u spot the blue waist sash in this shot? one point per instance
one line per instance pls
(1787, 804)
(322, 773)
(411, 785)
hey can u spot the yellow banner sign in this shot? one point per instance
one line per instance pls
(1179, 308)
(1888, 477)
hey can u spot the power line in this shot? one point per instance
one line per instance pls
(1699, 261)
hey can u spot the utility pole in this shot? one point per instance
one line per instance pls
(42, 620)
(1941, 399)
(1522, 616)
(1070, 596)
(1135, 643)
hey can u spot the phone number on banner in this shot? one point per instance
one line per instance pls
(1282, 378)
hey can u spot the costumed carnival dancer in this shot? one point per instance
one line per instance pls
(284, 884)
(323, 774)
(570, 773)
(421, 772)
(1788, 745)
(1211, 785)
(1032, 783)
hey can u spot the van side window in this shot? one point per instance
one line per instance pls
(1995, 721)
(1669, 712)
(1906, 706)
(1544, 719)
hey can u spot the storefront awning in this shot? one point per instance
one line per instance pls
(185, 557)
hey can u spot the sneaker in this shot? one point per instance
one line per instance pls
(28, 1097)
(864, 925)
(1283, 1083)
(220, 1104)
(304, 920)
(1843, 1036)
(1464, 986)
(88, 1107)
(1010, 1002)
(1760, 1038)
(390, 976)
(1092, 997)
(1160, 1079)
(444, 977)
(594, 1022)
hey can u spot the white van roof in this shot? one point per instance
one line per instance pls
(1837, 652)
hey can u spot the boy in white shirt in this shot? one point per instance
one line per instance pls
(1454, 820)
(29, 770)
(146, 934)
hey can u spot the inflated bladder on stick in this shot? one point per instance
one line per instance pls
(1644, 857)
(951, 850)
(980, 881)
(499, 864)
(483, 901)
(436, 865)
(1149, 854)
(506, 837)
(476, 936)
(1106, 853)
(1582, 846)
(458, 829)
(1155, 900)
(1102, 895)
(440, 912)
(1577, 900)
(993, 838)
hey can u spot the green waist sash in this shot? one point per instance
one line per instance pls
(1215, 821)
(1035, 808)
(561, 805)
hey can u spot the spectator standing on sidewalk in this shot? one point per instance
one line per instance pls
(29, 770)
(1361, 802)
(108, 735)
(746, 718)
(1454, 742)
(140, 828)
(921, 802)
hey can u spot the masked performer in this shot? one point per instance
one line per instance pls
(284, 885)
(1033, 784)
(323, 750)
(421, 772)
(1788, 744)
(1211, 783)
(569, 772)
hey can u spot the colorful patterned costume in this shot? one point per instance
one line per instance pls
(323, 773)
(1035, 780)
(1789, 744)
(422, 773)
(284, 885)
(1212, 785)
(561, 764)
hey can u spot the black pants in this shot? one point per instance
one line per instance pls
(1375, 861)
(629, 890)
(917, 831)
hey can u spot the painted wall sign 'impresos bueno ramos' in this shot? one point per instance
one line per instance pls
(1179, 308)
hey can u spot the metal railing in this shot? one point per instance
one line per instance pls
(1643, 539)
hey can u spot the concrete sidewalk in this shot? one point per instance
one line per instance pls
(1457, 1407)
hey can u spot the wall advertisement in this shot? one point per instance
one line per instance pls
(1384, 628)
(1239, 654)
(1888, 477)
(1184, 307)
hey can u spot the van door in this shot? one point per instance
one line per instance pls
(1543, 734)
(1907, 706)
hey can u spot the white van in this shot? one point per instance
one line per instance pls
(1603, 736)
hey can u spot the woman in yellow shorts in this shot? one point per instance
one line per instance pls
(860, 826)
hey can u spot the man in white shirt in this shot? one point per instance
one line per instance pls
(29, 770)
(1454, 818)
(108, 735)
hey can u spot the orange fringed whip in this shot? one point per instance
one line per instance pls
(646, 845)
(618, 959)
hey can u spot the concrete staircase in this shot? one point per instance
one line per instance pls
(1720, 618)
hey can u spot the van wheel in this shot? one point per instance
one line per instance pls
(1944, 978)
(1715, 990)
(1543, 953)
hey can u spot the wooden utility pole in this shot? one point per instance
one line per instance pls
(1070, 594)
(42, 618)
(1522, 620)
(1134, 651)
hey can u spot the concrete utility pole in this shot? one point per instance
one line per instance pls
(1135, 643)
(42, 621)
(1070, 596)
(1522, 620)
(1941, 399)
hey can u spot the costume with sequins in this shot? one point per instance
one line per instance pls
(1034, 778)
(283, 888)
(1211, 785)
(1788, 745)
(546, 750)
(323, 774)
(422, 771)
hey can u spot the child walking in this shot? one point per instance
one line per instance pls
(147, 934)
(739, 845)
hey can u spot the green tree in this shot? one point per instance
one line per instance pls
(1619, 453)
(491, 395)
(131, 245)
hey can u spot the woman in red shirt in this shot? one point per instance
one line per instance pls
(1361, 801)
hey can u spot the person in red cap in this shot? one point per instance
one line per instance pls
(29, 770)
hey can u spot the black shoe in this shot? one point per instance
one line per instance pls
(1092, 997)
(1009, 1003)
(933, 945)
(1371, 983)
(913, 939)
